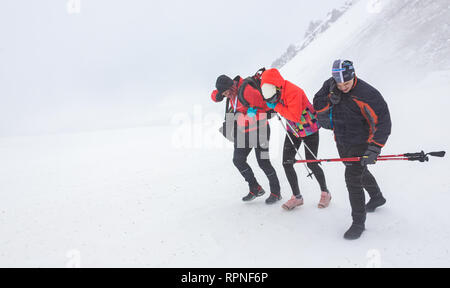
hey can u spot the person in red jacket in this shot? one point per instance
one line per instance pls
(290, 101)
(249, 121)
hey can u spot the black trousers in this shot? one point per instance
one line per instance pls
(240, 156)
(289, 153)
(358, 178)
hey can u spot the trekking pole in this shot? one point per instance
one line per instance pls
(420, 156)
(293, 145)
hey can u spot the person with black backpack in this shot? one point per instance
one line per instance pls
(248, 127)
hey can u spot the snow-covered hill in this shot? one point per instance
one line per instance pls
(169, 196)
(403, 50)
(315, 28)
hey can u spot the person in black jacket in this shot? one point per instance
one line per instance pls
(360, 119)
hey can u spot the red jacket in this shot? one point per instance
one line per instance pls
(293, 99)
(255, 99)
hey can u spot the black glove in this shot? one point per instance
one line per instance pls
(324, 120)
(335, 98)
(219, 97)
(371, 155)
(335, 93)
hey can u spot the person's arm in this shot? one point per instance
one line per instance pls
(375, 110)
(322, 105)
(216, 97)
(255, 101)
(294, 106)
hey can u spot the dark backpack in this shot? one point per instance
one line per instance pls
(255, 82)
(228, 133)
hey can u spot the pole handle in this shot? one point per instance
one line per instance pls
(437, 154)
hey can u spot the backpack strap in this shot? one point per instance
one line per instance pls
(259, 73)
(227, 107)
(241, 92)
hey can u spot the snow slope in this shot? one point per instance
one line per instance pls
(169, 196)
(315, 28)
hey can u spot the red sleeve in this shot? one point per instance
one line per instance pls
(293, 106)
(214, 96)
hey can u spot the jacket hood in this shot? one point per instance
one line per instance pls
(272, 76)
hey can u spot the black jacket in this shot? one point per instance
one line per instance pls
(361, 115)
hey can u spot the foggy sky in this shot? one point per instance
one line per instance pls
(117, 60)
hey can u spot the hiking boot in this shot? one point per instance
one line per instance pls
(293, 202)
(374, 203)
(258, 191)
(273, 198)
(354, 232)
(325, 199)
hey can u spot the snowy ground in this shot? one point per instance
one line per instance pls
(118, 198)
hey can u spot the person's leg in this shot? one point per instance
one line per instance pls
(353, 179)
(371, 186)
(240, 161)
(289, 153)
(262, 156)
(311, 150)
(369, 182)
(312, 141)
